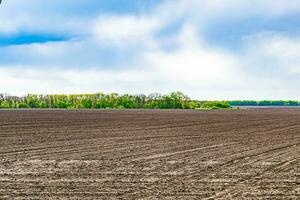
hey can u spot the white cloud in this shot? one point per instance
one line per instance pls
(284, 52)
(268, 66)
(202, 71)
(48, 17)
(209, 8)
(274, 52)
(194, 64)
(125, 29)
(18, 81)
(57, 16)
(190, 68)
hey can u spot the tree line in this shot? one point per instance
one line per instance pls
(174, 100)
(264, 103)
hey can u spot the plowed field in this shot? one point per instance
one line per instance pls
(150, 154)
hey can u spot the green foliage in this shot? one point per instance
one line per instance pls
(42, 104)
(217, 105)
(23, 105)
(195, 105)
(32, 101)
(5, 104)
(175, 100)
(209, 105)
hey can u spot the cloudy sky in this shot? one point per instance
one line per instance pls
(209, 49)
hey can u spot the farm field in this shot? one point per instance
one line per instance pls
(150, 154)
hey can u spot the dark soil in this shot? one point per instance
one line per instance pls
(150, 154)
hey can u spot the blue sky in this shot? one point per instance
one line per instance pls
(209, 49)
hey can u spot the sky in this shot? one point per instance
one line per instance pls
(208, 49)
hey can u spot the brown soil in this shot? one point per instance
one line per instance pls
(150, 154)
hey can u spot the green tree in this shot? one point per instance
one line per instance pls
(23, 105)
(5, 104)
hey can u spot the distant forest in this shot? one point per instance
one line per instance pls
(264, 103)
(174, 100)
